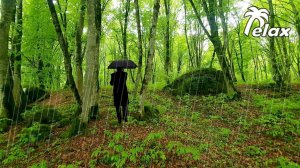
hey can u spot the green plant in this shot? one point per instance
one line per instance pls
(4, 124)
(34, 133)
(195, 116)
(117, 155)
(76, 165)
(225, 132)
(282, 162)
(15, 153)
(2, 154)
(41, 115)
(280, 124)
(27, 136)
(188, 152)
(42, 164)
(254, 151)
(286, 163)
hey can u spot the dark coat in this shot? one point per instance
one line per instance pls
(118, 80)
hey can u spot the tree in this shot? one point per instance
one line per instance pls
(277, 73)
(297, 25)
(140, 43)
(210, 8)
(18, 94)
(65, 49)
(240, 60)
(91, 82)
(151, 54)
(6, 82)
(124, 27)
(79, 52)
(167, 39)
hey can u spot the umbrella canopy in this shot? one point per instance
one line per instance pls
(128, 64)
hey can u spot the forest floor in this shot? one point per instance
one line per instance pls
(260, 130)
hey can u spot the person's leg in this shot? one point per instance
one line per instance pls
(125, 112)
(118, 109)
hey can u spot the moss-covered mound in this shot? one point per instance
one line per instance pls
(41, 115)
(33, 93)
(206, 81)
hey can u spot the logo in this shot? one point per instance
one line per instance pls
(264, 29)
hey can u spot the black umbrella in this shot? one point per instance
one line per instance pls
(128, 64)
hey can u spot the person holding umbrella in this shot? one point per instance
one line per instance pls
(120, 91)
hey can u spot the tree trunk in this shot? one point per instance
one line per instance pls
(151, 52)
(297, 25)
(6, 82)
(277, 76)
(241, 55)
(216, 41)
(226, 39)
(78, 42)
(91, 82)
(65, 49)
(124, 30)
(18, 95)
(140, 44)
(167, 41)
(186, 35)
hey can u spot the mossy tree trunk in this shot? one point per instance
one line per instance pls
(18, 94)
(151, 53)
(91, 82)
(65, 49)
(277, 72)
(6, 82)
(168, 54)
(140, 44)
(297, 25)
(79, 53)
(210, 8)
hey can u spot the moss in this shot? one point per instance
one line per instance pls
(207, 81)
(77, 127)
(39, 114)
(5, 124)
(33, 93)
(7, 107)
(150, 113)
(34, 133)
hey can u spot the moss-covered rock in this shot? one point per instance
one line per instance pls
(33, 93)
(39, 114)
(76, 128)
(206, 81)
(150, 113)
(5, 124)
(34, 133)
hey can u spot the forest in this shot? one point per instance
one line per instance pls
(216, 83)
